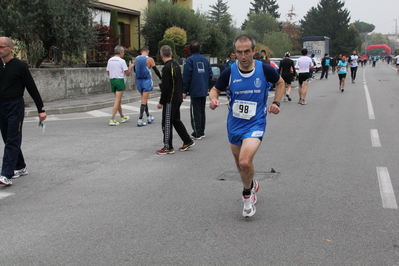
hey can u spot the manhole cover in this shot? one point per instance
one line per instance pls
(235, 176)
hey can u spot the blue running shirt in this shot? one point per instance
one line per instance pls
(247, 94)
(142, 71)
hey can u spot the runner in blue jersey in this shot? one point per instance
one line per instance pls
(342, 68)
(246, 84)
(142, 67)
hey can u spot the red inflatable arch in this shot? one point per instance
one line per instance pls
(379, 46)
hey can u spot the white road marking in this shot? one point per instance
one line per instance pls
(375, 138)
(369, 103)
(386, 189)
(131, 108)
(5, 194)
(98, 113)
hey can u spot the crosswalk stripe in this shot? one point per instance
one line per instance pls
(98, 113)
(5, 194)
(131, 108)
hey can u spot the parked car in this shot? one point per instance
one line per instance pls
(217, 69)
(317, 67)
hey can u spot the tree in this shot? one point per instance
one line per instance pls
(217, 43)
(65, 24)
(265, 6)
(330, 19)
(293, 31)
(113, 22)
(178, 35)
(105, 42)
(162, 15)
(279, 42)
(219, 17)
(260, 24)
(363, 27)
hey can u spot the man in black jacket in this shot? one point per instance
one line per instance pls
(170, 102)
(14, 78)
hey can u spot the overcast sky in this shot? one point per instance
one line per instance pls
(380, 13)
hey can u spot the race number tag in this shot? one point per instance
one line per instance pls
(343, 69)
(244, 109)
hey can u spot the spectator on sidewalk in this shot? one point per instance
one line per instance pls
(197, 74)
(14, 78)
(170, 102)
(142, 67)
(325, 66)
(117, 69)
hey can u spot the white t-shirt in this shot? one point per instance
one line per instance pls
(354, 59)
(303, 64)
(116, 67)
(397, 59)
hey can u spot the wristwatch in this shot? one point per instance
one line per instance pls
(276, 103)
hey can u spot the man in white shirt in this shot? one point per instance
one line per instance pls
(117, 69)
(397, 62)
(303, 65)
(353, 62)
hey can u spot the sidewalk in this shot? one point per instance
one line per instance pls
(86, 103)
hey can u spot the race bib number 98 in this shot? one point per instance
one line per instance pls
(244, 109)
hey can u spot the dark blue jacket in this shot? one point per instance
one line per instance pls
(197, 73)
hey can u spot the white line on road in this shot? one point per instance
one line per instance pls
(369, 104)
(5, 194)
(386, 189)
(98, 113)
(131, 108)
(375, 138)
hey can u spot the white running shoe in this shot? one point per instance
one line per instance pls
(5, 181)
(249, 201)
(249, 205)
(150, 119)
(21, 172)
(140, 123)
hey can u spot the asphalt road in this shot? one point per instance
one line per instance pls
(99, 195)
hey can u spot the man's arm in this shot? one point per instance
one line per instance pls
(214, 98)
(34, 93)
(166, 81)
(129, 70)
(151, 64)
(278, 95)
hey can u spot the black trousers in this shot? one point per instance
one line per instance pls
(324, 70)
(353, 72)
(170, 120)
(197, 115)
(12, 114)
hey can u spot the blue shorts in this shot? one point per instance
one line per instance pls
(144, 85)
(237, 139)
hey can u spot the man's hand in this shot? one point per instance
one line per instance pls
(159, 106)
(213, 104)
(184, 95)
(42, 116)
(274, 109)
